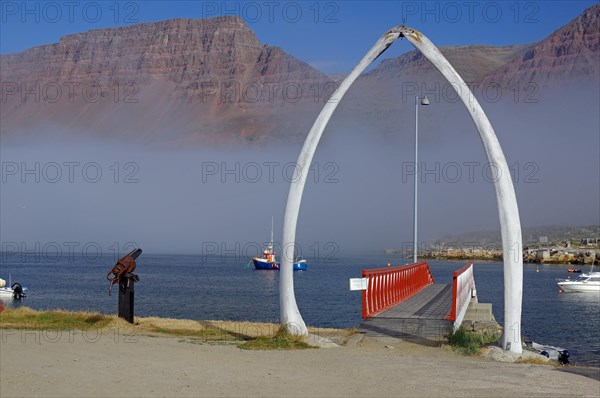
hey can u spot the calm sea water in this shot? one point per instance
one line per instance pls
(195, 287)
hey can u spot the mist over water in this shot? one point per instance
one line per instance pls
(63, 186)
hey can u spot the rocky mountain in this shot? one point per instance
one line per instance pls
(572, 53)
(207, 79)
(202, 81)
(568, 57)
(377, 94)
(472, 62)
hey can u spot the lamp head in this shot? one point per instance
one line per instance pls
(425, 101)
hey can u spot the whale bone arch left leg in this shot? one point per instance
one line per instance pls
(510, 224)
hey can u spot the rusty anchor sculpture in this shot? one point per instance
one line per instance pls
(124, 276)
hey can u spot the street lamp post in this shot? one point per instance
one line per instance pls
(424, 101)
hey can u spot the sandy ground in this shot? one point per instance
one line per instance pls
(65, 364)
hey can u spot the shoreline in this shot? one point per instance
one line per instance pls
(144, 365)
(59, 322)
(183, 357)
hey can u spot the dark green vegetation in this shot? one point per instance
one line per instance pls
(470, 343)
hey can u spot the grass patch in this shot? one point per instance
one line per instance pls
(26, 318)
(210, 330)
(257, 335)
(470, 343)
(282, 340)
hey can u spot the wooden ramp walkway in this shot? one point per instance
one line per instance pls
(419, 319)
(405, 302)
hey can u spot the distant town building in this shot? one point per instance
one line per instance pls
(543, 239)
(589, 241)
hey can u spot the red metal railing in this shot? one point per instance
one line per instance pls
(463, 283)
(387, 287)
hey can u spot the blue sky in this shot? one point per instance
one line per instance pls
(330, 35)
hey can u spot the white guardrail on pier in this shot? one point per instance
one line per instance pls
(463, 290)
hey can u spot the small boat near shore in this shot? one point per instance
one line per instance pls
(558, 354)
(15, 291)
(575, 271)
(268, 261)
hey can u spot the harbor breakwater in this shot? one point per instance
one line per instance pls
(531, 256)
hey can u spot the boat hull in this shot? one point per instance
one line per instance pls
(300, 266)
(578, 287)
(261, 264)
(9, 293)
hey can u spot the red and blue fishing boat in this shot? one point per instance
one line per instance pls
(268, 260)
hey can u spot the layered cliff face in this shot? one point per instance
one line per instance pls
(191, 82)
(177, 49)
(571, 54)
(207, 78)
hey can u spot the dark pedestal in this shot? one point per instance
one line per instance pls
(126, 293)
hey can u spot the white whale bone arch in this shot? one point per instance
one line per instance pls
(510, 224)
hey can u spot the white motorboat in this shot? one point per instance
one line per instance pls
(583, 283)
(16, 291)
